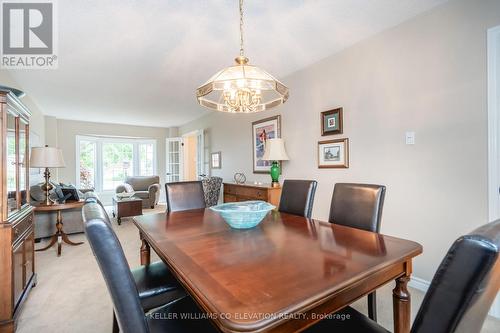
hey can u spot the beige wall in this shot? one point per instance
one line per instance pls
(37, 122)
(426, 75)
(62, 133)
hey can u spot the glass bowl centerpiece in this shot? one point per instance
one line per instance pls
(243, 215)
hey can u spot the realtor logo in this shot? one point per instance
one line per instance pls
(28, 32)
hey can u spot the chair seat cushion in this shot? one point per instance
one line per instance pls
(156, 285)
(142, 194)
(347, 320)
(180, 316)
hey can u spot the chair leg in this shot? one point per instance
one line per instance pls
(372, 306)
(116, 328)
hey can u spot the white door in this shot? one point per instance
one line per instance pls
(174, 160)
(200, 154)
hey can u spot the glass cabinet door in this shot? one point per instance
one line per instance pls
(23, 155)
(11, 164)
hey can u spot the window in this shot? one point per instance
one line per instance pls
(104, 162)
(117, 163)
(146, 159)
(87, 162)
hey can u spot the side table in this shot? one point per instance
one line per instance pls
(60, 235)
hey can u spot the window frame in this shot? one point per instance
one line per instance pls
(98, 163)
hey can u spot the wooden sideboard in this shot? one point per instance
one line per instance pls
(17, 256)
(242, 192)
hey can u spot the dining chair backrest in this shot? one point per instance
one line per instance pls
(297, 197)
(96, 211)
(185, 196)
(357, 205)
(115, 270)
(464, 286)
(211, 189)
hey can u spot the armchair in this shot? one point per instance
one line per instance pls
(145, 187)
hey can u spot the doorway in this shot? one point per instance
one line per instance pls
(190, 141)
(186, 157)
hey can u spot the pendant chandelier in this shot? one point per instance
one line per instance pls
(242, 88)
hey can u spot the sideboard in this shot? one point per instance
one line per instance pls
(242, 192)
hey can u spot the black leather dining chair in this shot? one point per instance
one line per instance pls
(297, 197)
(185, 196)
(359, 206)
(459, 296)
(154, 283)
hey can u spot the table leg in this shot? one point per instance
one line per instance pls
(402, 305)
(59, 237)
(145, 251)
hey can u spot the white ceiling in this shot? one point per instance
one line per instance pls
(139, 62)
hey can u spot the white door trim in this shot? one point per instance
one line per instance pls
(493, 50)
(493, 124)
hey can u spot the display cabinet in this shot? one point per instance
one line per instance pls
(17, 257)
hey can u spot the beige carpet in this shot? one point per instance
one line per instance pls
(71, 295)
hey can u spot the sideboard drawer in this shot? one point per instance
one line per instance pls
(229, 189)
(244, 192)
(20, 227)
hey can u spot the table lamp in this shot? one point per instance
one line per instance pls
(275, 151)
(46, 157)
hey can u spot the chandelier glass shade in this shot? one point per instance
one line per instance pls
(242, 88)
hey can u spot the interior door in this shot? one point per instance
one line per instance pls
(174, 159)
(200, 154)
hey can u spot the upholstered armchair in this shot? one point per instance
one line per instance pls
(145, 187)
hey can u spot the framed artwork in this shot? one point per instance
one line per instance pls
(332, 122)
(262, 130)
(333, 153)
(216, 160)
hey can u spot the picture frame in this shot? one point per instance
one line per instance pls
(333, 153)
(262, 130)
(332, 122)
(216, 160)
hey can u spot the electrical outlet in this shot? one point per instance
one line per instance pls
(410, 138)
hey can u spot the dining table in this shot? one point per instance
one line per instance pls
(283, 275)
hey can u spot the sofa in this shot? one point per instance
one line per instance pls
(45, 222)
(145, 187)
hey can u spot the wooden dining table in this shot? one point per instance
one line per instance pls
(281, 276)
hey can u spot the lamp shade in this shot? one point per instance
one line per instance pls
(46, 157)
(275, 150)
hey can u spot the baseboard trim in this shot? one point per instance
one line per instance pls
(423, 285)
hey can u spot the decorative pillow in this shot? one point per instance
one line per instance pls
(128, 187)
(37, 193)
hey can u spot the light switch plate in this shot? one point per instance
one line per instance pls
(410, 138)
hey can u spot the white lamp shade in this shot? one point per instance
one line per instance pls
(46, 157)
(275, 150)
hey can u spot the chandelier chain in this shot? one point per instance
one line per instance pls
(241, 28)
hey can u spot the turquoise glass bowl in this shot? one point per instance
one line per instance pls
(243, 215)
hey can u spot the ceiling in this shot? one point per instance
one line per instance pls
(139, 62)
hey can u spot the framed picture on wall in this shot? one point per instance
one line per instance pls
(332, 122)
(262, 130)
(333, 153)
(216, 160)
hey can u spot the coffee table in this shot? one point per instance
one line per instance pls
(123, 207)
